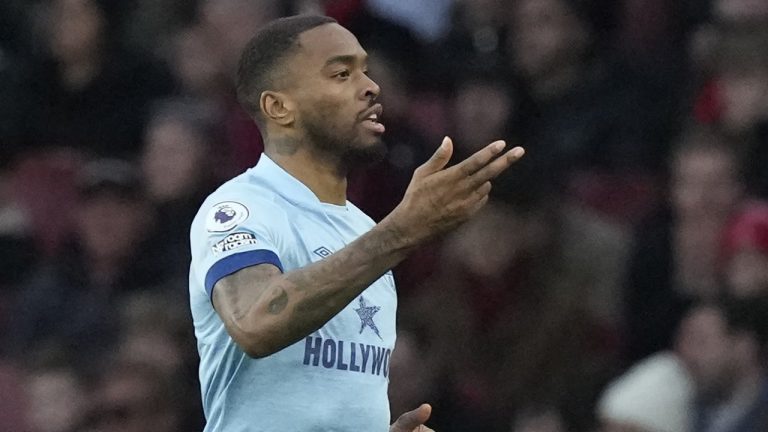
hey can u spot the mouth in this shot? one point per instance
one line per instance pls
(371, 119)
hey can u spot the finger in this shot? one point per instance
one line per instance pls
(480, 204)
(493, 169)
(438, 160)
(480, 159)
(412, 419)
(483, 190)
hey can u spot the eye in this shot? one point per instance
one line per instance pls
(342, 74)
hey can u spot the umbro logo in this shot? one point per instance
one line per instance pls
(322, 252)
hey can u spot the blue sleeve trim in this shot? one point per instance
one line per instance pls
(231, 264)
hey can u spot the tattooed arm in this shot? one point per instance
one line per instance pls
(264, 310)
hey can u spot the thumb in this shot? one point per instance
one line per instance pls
(412, 419)
(438, 160)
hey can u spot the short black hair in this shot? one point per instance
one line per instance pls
(264, 52)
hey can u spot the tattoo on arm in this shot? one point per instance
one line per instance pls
(303, 300)
(239, 292)
(278, 304)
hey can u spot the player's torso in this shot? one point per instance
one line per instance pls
(360, 338)
(334, 379)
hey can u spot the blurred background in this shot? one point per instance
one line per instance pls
(616, 282)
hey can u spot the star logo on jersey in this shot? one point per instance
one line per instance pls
(366, 314)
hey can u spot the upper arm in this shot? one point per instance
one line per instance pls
(235, 296)
(248, 236)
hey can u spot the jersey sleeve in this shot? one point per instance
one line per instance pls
(228, 236)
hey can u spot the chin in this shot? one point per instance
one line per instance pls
(369, 153)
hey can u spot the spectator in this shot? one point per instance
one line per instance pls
(230, 24)
(675, 253)
(742, 82)
(501, 315)
(190, 57)
(745, 251)
(210, 82)
(475, 41)
(71, 301)
(584, 111)
(655, 395)
(156, 331)
(134, 398)
(723, 346)
(484, 107)
(90, 94)
(57, 394)
(178, 166)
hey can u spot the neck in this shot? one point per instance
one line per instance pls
(323, 174)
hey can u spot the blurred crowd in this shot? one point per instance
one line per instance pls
(616, 282)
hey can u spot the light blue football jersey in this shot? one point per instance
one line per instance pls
(334, 379)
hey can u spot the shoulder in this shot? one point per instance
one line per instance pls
(238, 200)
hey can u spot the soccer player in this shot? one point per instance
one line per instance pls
(290, 285)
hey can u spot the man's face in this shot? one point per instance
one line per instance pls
(545, 37)
(704, 184)
(76, 29)
(745, 98)
(111, 226)
(747, 272)
(482, 110)
(335, 109)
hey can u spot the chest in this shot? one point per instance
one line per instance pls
(370, 317)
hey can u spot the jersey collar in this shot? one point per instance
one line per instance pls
(286, 185)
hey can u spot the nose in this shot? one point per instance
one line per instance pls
(371, 90)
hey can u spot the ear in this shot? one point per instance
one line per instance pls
(277, 107)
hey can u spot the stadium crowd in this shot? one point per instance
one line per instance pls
(617, 281)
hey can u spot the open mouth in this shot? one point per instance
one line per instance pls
(371, 119)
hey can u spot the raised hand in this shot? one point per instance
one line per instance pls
(438, 198)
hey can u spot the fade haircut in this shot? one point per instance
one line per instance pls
(265, 52)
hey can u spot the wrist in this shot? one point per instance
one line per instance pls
(403, 235)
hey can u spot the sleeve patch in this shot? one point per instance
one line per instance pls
(234, 241)
(224, 216)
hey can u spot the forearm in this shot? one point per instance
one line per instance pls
(300, 301)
